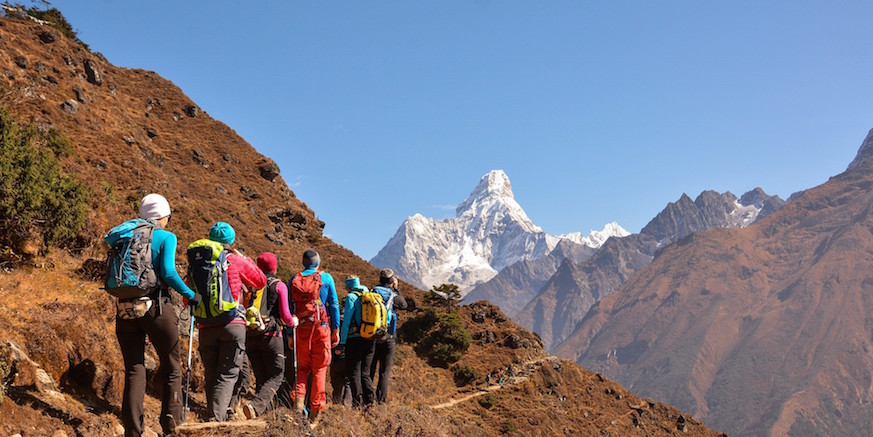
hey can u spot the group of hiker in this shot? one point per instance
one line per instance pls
(250, 324)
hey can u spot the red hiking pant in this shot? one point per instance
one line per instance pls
(313, 355)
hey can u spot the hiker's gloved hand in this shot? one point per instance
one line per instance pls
(294, 322)
(334, 337)
(194, 301)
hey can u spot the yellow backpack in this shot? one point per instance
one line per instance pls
(374, 316)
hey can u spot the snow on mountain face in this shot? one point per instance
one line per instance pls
(710, 210)
(489, 232)
(595, 239)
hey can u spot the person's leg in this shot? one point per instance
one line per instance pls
(347, 391)
(321, 357)
(353, 369)
(243, 385)
(209, 355)
(304, 361)
(131, 339)
(386, 361)
(368, 352)
(231, 351)
(273, 363)
(255, 352)
(337, 377)
(286, 389)
(163, 331)
(377, 364)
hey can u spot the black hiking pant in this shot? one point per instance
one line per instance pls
(222, 350)
(163, 332)
(359, 359)
(267, 357)
(384, 358)
(340, 381)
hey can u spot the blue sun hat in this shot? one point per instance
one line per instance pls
(222, 232)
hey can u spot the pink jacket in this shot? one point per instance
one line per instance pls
(242, 270)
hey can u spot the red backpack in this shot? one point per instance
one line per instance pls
(306, 296)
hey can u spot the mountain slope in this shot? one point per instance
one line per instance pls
(134, 132)
(763, 330)
(489, 232)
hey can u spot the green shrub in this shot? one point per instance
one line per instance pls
(448, 295)
(417, 327)
(56, 141)
(5, 368)
(37, 200)
(439, 336)
(508, 427)
(488, 401)
(464, 375)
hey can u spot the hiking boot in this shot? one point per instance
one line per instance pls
(313, 419)
(249, 411)
(168, 424)
(298, 405)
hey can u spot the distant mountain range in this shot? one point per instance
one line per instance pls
(761, 331)
(490, 232)
(553, 297)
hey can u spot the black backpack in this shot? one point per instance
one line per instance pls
(269, 303)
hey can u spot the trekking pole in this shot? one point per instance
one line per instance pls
(294, 337)
(188, 377)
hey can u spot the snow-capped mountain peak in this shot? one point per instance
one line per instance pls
(489, 232)
(493, 186)
(595, 239)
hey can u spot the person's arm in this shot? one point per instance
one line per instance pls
(167, 261)
(399, 301)
(348, 315)
(331, 301)
(284, 312)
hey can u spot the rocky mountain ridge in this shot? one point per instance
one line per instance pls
(763, 330)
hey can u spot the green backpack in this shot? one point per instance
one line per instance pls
(207, 272)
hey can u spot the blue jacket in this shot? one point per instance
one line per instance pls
(164, 261)
(351, 318)
(327, 296)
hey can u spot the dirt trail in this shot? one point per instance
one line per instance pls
(250, 425)
(528, 368)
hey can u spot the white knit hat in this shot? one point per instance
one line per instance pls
(154, 206)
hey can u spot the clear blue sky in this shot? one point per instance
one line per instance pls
(597, 111)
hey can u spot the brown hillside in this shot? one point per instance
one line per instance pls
(134, 133)
(764, 330)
